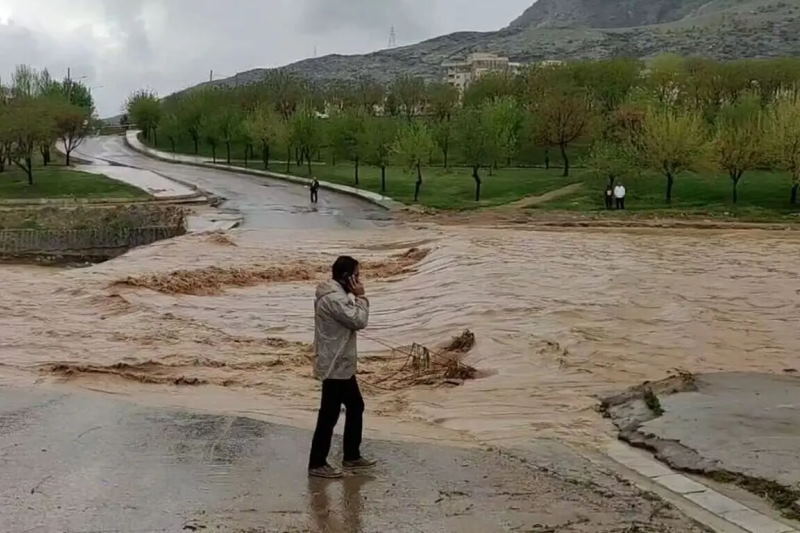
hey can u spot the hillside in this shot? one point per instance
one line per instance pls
(586, 29)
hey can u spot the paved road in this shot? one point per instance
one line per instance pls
(91, 462)
(264, 203)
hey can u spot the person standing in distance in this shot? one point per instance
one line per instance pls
(619, 195)
(341, 309)
(314, 191)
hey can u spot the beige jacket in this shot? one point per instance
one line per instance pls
(337, 318)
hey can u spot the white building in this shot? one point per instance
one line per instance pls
(462, 74)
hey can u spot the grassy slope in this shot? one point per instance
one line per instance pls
(60, 182)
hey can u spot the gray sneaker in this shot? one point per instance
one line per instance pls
(326, 472)
(359, 464)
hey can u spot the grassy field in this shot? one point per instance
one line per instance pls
(445, 189)
(57, 181)
(763, 195)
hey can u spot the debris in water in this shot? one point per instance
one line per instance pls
(221, 238)
(463, 343)
(212, 280)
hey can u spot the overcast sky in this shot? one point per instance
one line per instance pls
(165, 45)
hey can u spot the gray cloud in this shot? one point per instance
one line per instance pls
(166, 45)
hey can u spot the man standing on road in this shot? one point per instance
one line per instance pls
(341, 309)
(314, 191)
(619, 195)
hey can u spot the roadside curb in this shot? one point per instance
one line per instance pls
(133, 142)
(70, 202)
(694, 493)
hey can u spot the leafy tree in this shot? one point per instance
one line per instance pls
(442, 101)
(72, 125)
(265, 127)
(609, 81)
(474, 136)
(489, 87)
(26, 123)
(347, 136)
(672, 141)
(171, 129)
(740, 139)
(211, 132)
(565, 115)
(610, 161)
(409, 92)
(307, 133)
(144, 109)
(229, 123)
(443, 131)
(503, 122)
(783, 138)
(190, 110)
(380, 134)
(414, 143)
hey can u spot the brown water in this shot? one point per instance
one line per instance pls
(560, 317)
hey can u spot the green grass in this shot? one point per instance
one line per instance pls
(444, 189)
(763, 195)
(60, 182)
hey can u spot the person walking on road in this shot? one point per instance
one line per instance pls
(314, 191)
(619, 195)
(341, 309)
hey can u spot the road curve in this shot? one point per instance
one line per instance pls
(264, 203)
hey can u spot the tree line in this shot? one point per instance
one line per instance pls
(670, 116)
(36, 111)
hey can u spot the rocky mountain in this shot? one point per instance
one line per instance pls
(586, 29)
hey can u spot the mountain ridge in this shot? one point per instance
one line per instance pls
(583, 29)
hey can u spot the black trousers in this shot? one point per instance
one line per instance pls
(335, 393)
(314, 196)
(620, 203)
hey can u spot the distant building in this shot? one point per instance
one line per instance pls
(461, 74)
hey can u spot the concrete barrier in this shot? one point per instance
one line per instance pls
(132, 140)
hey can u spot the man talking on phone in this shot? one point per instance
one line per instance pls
(340, 310)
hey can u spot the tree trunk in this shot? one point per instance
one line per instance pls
(477, 179)
(29, 170)
(418, 184)
(445, 152)
(547, 159)
(670, 183)
(266, 156)
(196, 145)
(794, 193)
(155, 137)
(247, 156)
(68, 155)
(289, 160)
(383, 179)
(214, 153)
(357, 162)
(172, 142)
(565, 158)
(228, 151)
(308, 160)
(735, 177)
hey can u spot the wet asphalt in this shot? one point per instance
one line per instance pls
(264, 203)
(85, 461)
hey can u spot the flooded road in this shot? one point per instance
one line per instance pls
(264, 203)
(560, 317)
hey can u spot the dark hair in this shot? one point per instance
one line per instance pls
(344, 267)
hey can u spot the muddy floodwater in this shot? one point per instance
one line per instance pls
(560, 317)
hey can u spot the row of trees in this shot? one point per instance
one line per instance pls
(35, 112)
(671, 116)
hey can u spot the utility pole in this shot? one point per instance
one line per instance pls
(392, 38)
(211, 76)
